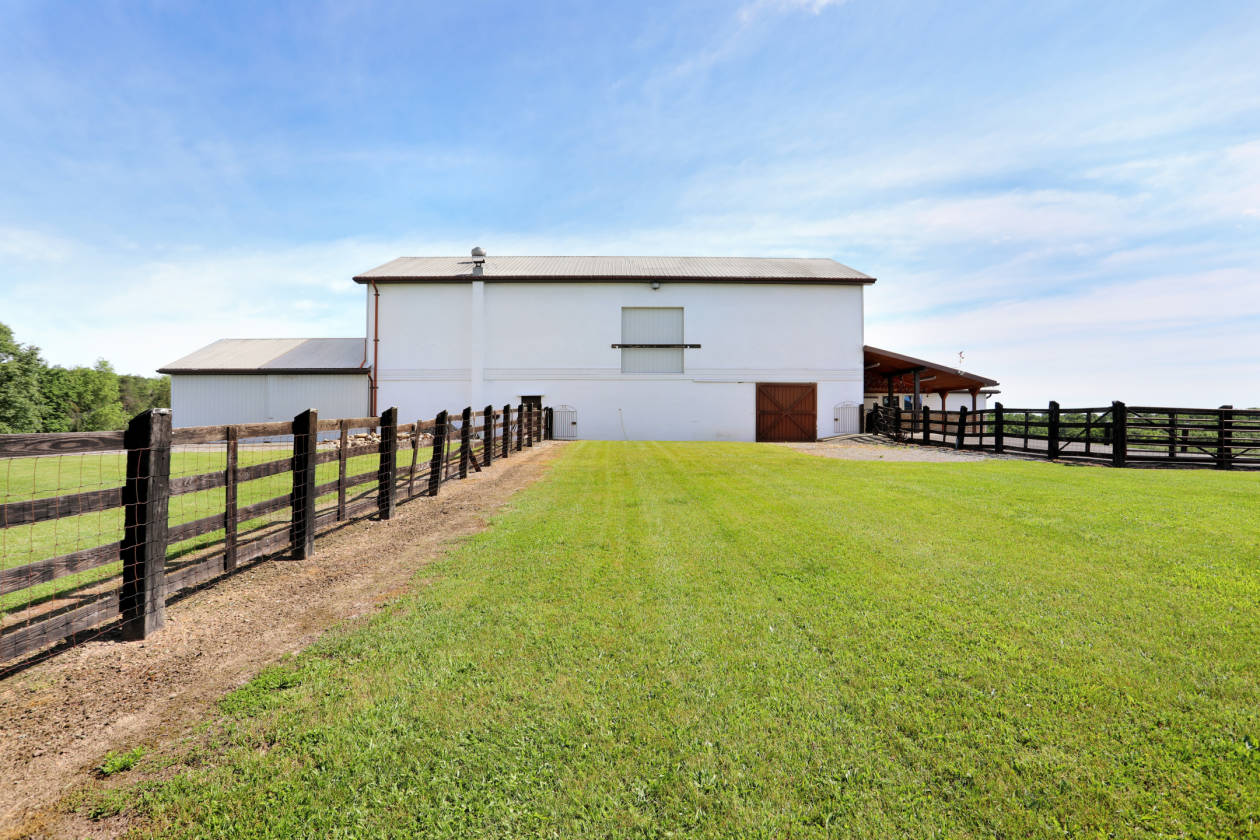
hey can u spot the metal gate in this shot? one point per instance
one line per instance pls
(848, 418)
(564, 422)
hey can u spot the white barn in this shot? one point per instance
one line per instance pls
(636, 348)
(642, 348)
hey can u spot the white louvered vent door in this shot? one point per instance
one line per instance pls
(651, 325)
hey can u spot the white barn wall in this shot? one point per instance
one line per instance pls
(222, 399)
(554, 340)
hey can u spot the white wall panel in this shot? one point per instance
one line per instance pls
(221, 399)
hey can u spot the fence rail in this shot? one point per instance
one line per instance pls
(1118, 434)
(78, 564)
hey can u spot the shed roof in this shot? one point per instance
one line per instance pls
(886, 363)
(612, 269)
(274, 355)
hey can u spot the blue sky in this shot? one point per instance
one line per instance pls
(1069, 193)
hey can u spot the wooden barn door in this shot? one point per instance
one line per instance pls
(787, 412)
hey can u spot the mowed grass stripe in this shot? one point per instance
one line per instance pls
(736, 640)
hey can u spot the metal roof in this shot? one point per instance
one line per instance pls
(886, 363)
(274, 355)
(606, 269)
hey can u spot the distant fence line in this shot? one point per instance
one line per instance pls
(37, 612)
(1120, 435)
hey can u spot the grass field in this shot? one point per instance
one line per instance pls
(42, 477)
(732, 640)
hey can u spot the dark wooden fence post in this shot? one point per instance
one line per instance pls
(999, 439)
(962, 427)
(465, 441)
(896, 432)
(415, 457)
(230, 500)
(487, 445)
(549, 431)
(343, 455)
(520, 426)
(529, 425)
(927, 424)
(1052, 431)
(1224, 438)
(302, 529)
(507, 429)
(439, 448)
(146, 502)
(387, 471)
(1119, 433)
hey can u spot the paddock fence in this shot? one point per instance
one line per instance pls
(1120, 435)
(99, 530)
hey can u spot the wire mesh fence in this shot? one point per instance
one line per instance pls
(98, 530)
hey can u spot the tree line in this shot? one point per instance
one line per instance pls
(38, 397)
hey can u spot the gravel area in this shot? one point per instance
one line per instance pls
(59, 717)
(870, 448)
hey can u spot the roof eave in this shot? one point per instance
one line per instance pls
(582, 278)
(257, 371)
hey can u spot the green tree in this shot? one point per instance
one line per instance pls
(139, 393)
(21, 402)
(82, 399)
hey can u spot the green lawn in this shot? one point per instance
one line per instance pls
(733, 640)
(34, 478)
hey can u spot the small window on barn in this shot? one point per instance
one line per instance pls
(655, 339)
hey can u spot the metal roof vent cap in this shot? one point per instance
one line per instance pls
(479, 251)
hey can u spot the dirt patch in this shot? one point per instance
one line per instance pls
(58, 718)
(867, 448)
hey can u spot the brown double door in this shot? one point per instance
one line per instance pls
(787, 411)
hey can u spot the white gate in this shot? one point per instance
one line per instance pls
(564, 422)
(848, 419)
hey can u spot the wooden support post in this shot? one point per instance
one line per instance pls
(926, 414)
(507, 429)
(1172, 434)
(1224, 438)
(1185, 441)
(302, 529)
(999, 436)
(520, 426)
(1119, 433)
(550, 432)
(343, 444)
(1052, 431)
(415, 456)
(146, 502)
(962, 427)
(529, 425)
(896, 429)
(439, 448)
(229, 501)
(465, 441)
(387, 471)
(487, 443)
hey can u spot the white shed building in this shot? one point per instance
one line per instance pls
(255, 380)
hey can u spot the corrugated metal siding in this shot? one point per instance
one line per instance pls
(696, 268)
(214, 399)
(651, 325)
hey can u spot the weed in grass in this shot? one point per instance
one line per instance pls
(119, 762)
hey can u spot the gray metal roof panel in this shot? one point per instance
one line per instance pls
(267, 355)
(702, 269)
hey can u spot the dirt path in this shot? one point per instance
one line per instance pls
(58, 718)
